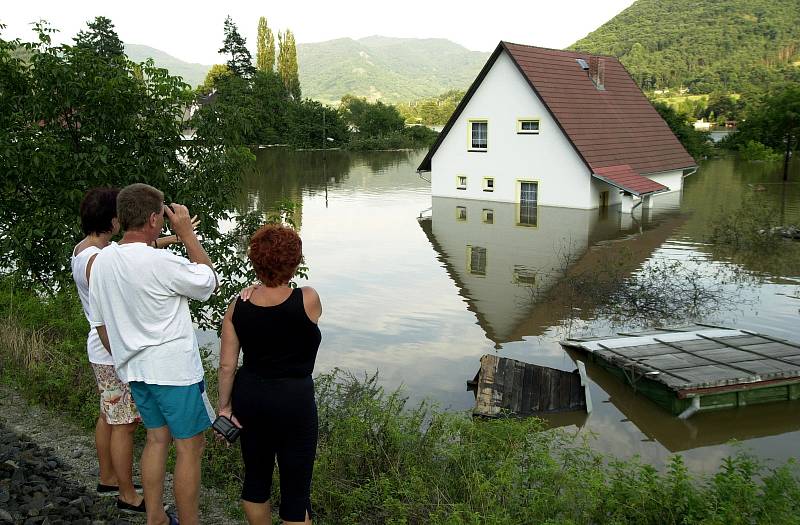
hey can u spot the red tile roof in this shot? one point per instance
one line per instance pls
(611, 127)
(624, 178)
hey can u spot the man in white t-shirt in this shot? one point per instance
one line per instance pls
(140, 307)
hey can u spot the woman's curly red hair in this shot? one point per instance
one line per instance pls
(275, 252)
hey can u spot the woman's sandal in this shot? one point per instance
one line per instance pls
(127, 507)
(113, 490)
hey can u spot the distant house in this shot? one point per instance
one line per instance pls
(702, 125)
(555, 128)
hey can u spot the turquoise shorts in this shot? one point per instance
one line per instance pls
(185, 410)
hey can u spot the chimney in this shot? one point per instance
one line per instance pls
(597, 72)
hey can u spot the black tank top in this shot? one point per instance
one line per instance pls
(277, 341)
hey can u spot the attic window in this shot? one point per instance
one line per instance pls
(581, 62)
(528, 126)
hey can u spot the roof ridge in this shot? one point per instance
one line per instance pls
(506, 42)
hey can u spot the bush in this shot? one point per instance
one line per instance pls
(383, 461)
(754, 150)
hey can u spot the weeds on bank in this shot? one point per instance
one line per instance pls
(383, 461)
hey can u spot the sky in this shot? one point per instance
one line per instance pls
(192, 31)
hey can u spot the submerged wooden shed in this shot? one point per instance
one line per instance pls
(505, 385)
(688, 370)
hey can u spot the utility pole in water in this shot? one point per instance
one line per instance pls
(324, 157)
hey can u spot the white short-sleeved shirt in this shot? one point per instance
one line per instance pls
(94, 347)
(141, 295)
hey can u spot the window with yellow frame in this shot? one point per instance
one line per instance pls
(528, 126)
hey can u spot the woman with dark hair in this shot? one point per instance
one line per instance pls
(118, 414)
(118, 417)
(272, 396)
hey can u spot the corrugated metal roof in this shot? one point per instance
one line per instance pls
(610, 127)
(624, 178)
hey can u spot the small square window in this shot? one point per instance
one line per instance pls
(524, 276)
(488, 216)
(461, 182)
(488, 184)
(528, 126)
(479, 135)
(461, 213)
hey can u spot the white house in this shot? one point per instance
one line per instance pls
(541, 127)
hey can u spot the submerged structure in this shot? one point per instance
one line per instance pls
(508, 386)
(691, 370)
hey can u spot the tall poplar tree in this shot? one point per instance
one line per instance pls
(287, 63)
(265, 53)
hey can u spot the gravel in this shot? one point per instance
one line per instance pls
(48, 472)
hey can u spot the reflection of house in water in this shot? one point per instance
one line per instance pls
(499, 253)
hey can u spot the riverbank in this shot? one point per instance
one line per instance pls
(380, 460)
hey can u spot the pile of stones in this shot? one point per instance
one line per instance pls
(35, 488)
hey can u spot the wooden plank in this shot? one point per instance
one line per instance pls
(740, 347)
(705, 356)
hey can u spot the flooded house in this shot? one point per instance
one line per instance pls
(542, 127)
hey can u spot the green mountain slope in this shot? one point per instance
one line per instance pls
(705, 45)
(193, 74)
(386, 69)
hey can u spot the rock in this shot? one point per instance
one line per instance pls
(36, 489)
(76, 453)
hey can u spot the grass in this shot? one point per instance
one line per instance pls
(383, 461)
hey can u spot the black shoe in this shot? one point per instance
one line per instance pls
(127, 507)
(113, 490)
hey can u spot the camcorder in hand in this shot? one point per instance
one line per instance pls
(226, 428)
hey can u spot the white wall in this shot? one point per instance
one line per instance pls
(671, 179)
(503, 97)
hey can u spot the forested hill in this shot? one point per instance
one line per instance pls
(705, 45)
(193, 74)
(385, 69)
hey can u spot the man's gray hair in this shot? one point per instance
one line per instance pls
(135, 203)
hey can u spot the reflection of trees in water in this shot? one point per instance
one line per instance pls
(381, 160)
(282, 173)
(660, 292)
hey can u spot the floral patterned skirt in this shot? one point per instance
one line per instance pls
(116, 401)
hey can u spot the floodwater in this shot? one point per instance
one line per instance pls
(420, 288)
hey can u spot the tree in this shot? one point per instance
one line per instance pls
(775, 122)
(265, 53)
(287, 63)
(72, 120)
(371, 120)
(695, 142)
(217, 72)
(240, 62)
(101, 38)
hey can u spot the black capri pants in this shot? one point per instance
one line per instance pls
(279, 419)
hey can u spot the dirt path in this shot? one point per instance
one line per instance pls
(72, 458)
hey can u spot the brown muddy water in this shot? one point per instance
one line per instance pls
(421, 300)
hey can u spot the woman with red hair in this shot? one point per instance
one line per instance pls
(271, 397)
